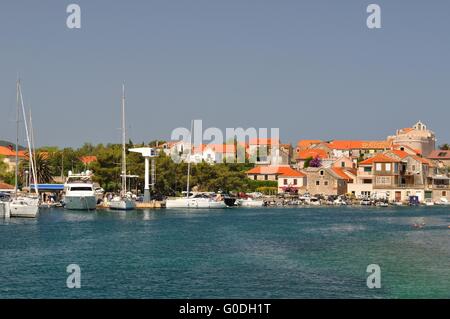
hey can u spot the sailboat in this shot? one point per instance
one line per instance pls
(122, 202)
(194, 201)
(24, 206)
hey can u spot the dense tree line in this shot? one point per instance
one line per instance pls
(171, 178)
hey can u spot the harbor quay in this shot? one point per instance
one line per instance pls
(406, 168)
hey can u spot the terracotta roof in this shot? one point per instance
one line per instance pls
(422, 160)
(6, 151)
(439, 155)
(276, 170)
(304, 154)
(379, 158)
(397, 146)
(307, 143)
(341, 173)
(88, 159)
(263, 141)
(351, 145)
(6, 186)
(400, 153)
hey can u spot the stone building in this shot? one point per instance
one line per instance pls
(417, 137)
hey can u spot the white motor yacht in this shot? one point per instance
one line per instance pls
(80, 192)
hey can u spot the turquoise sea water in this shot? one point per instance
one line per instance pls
(229, 253)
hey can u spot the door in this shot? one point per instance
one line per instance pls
(398, 196)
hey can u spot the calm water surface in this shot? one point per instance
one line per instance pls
(230, 253)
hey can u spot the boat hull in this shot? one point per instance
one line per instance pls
(194, 203)
(250, 203)
(23, 210)
(5, 210)
(122, 205)
(80, 202)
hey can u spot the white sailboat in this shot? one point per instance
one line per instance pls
(24, 206)
(194, 201)
(122, 202)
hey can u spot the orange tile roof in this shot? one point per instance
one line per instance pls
(439, 155)
(6, 151)
(379, 158)
(341, 173)
(263, 141)
(6, 186)
(275, 170)
(307, 143)
(397, 146)
(88, 159)
(400, 153)
(304, 154)
(422, 160)
(352, 145)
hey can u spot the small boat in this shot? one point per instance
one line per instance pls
(398, 203)
(26, 207)
(365, 202)
(122, 202)
(249, 202)
(442, 201)
(382, 204)
(428, 202)
(196, 201)
(5, 211)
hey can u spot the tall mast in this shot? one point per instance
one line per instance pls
(189, 159)
(16, 186)
(33, 148)
(124, 163)
(33, 170)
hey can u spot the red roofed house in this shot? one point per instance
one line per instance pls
(394, 174)
(326, 181)
(287, 177)
(440, 158)
(357, 149)
(9, 156)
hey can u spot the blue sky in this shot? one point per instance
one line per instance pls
(311, 68)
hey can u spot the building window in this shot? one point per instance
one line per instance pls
(368, 169)
(325, 183)
(321, 173)
(342, 164)
(444, 193)
(317, 183)
(378, 167)
(388, 167)
(285, 181)
(266, 177)
(414, 167)
(367, 181)
(295, 181)
(255, 177)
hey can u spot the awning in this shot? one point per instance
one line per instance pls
(48, 187)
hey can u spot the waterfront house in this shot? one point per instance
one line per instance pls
(269, 151)
(441, 159)
(394, 174)
(291, 181)
(326, 181)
